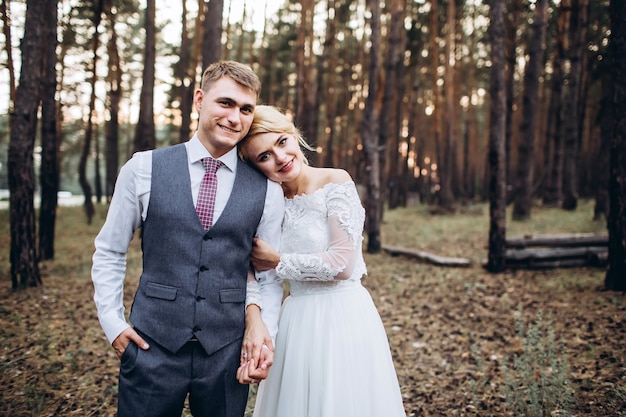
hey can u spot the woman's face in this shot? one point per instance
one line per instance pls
(277, 155)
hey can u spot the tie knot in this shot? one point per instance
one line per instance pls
(211, 165)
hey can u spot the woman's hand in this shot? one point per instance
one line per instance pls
(256, 338)
(263, 257)
(257, 351)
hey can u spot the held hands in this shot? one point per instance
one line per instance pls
(257, 350)
(249, 372)
(263, 256)
(123, 339)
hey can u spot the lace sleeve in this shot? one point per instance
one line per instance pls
(253, 294)
(345, 222)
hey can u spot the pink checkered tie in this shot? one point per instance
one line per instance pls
(208, 188)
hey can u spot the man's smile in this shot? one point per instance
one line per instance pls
(229, 130)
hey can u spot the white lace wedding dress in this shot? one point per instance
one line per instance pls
(332, 357)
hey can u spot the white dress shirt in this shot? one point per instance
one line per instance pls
(128, 209)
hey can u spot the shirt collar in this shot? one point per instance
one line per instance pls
(197, 152)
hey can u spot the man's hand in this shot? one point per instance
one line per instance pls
(121, 342)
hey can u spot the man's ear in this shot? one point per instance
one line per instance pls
(197, 98)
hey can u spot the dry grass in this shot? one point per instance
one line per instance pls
(451, 330)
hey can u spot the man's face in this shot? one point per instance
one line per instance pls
(225, 113)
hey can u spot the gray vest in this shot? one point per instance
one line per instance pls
(193, 282)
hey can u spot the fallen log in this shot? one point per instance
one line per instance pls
(427, 256)
(558, 239)
(552, 253)
(556, 263)
(539, 258)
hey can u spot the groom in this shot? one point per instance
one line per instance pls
(189, 311)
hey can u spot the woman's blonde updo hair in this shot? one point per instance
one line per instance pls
(269, 119)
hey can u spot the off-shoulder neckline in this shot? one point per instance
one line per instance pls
(324, 187)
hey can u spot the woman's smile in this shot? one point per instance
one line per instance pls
(287, 167)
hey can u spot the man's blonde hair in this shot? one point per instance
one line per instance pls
(239, 72)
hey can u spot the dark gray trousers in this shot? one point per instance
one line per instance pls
(155, 382)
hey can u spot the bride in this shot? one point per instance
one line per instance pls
(331, 357)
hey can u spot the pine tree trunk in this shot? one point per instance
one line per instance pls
(433, 57)
(181, 70)
(497, 131)
(553, 193)
(536, 47)
(240, 40)
(512, 25)
(447, 161)
(404, 141)
(471, 154)
(24, 265)
(212, 38)
(615, 278)
(330, 57)
(82, 165)
(317, 122)
(388, 135)
(602, 160)
(97, 178)
(305, 90)
(145, 137)
(114, 97)
(578, 32)
(414, 136)
(369, 135)
(189, 81)
(49, 173)
(6, 29)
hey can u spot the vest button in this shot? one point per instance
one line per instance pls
(203, 268)
(206, 237)
(196, 329)
(199, 298)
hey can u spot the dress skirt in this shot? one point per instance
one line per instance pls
(332, 357)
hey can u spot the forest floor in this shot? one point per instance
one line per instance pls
(465, 342)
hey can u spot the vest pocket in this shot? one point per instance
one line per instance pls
(163, 292)
(233, 295)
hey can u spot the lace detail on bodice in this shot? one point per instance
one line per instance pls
(322, 236)
(297, 288)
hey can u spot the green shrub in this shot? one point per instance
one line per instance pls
(536, 380)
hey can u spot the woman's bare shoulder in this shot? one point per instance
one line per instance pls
(336, 176)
